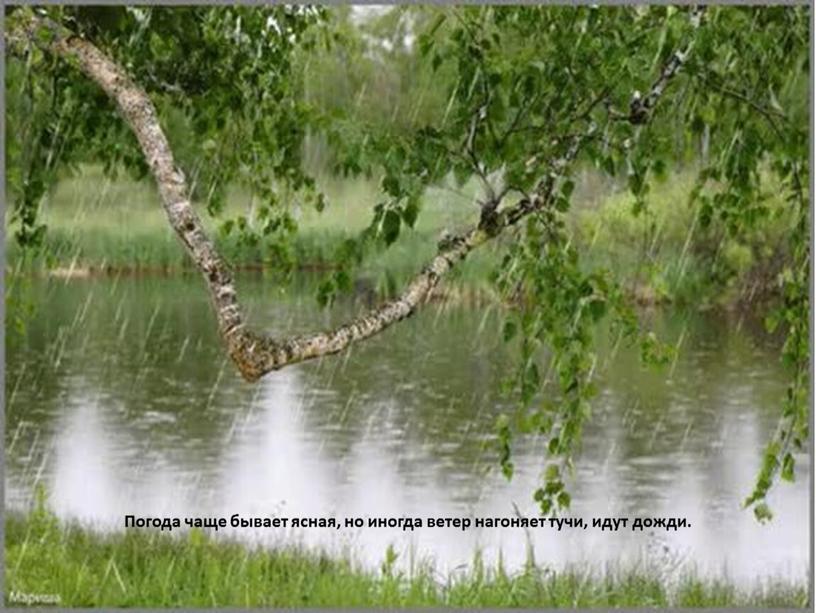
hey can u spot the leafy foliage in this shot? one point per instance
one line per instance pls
(513, 96)
(222, 80)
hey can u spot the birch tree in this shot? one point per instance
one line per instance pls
(534, 93)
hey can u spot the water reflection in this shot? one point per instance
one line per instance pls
(154, 422)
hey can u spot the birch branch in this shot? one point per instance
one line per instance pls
(256, 354)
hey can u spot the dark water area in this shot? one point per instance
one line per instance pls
(120, 400)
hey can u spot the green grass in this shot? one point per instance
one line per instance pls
(94, 221)
(153, 569)
(98, 224)
(661, 254)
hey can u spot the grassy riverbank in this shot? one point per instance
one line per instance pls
(159, 570)
(661, 255)
(95, 222)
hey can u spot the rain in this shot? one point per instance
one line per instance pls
(121, 400)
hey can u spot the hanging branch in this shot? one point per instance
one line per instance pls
(256, 354)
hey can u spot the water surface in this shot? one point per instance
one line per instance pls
(121, 401)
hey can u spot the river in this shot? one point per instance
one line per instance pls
(120, 400)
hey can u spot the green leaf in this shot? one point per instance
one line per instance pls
(509, 330)
(410, 212)
(763, 512)
(436, 62)
(342, 280)
(325, 293)
(562, 204)
(391, 226)
(787, 467)
(564, 500)
(391, 186)
(772, 321)
(597, 308)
